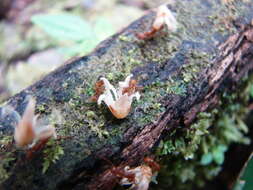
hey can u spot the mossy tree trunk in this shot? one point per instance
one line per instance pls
(181, 73)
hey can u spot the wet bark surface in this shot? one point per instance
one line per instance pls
(181, 73)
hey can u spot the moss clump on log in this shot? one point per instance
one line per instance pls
(191, 156)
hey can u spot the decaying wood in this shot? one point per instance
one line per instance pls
(199, 60)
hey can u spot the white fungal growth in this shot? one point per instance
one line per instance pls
(143, 176)
(118, 101)
(28, 132)
(165, 17)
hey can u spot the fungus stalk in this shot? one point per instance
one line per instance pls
(119, 101)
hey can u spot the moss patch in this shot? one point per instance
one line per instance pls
(190, 156)
(6, 156)
(52, 152)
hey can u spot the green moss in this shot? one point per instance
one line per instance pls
(5, 163)
(41, 108)
(196, 61)
(124, 38)
(115, 76)
(89, 90)
(96, 124)
(131, 59)
(148, 104)
(6, 157)
(190, 156)
(161, 48)
(52, 152)
(6, 140)
(176, 87)
(223, 23)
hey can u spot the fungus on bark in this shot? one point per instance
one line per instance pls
(119, 101)
(163, 17)
(28, 132)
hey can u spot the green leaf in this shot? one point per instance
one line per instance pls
(179, 143)
(239, 185)
(78, 49)
(206, 159)
(222, 148)
(247, 174)
(46, 165)
(187, 174)
(218, 154)
(154, 178)
(64, 26)
(242, 126)
(103, 28)
(251, 91)
(167, 148)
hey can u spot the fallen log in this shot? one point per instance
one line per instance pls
(181, 74)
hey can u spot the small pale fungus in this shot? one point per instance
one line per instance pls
(119, 101)
(28, 132)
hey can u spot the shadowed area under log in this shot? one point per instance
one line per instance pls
(181, 74)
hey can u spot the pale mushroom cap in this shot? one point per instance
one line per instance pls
(162, 11)
(165, 16)
(171, 22)
(158, 23)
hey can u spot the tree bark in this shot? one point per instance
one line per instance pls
(181, 73)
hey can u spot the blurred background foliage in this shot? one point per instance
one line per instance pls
(37, 36)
